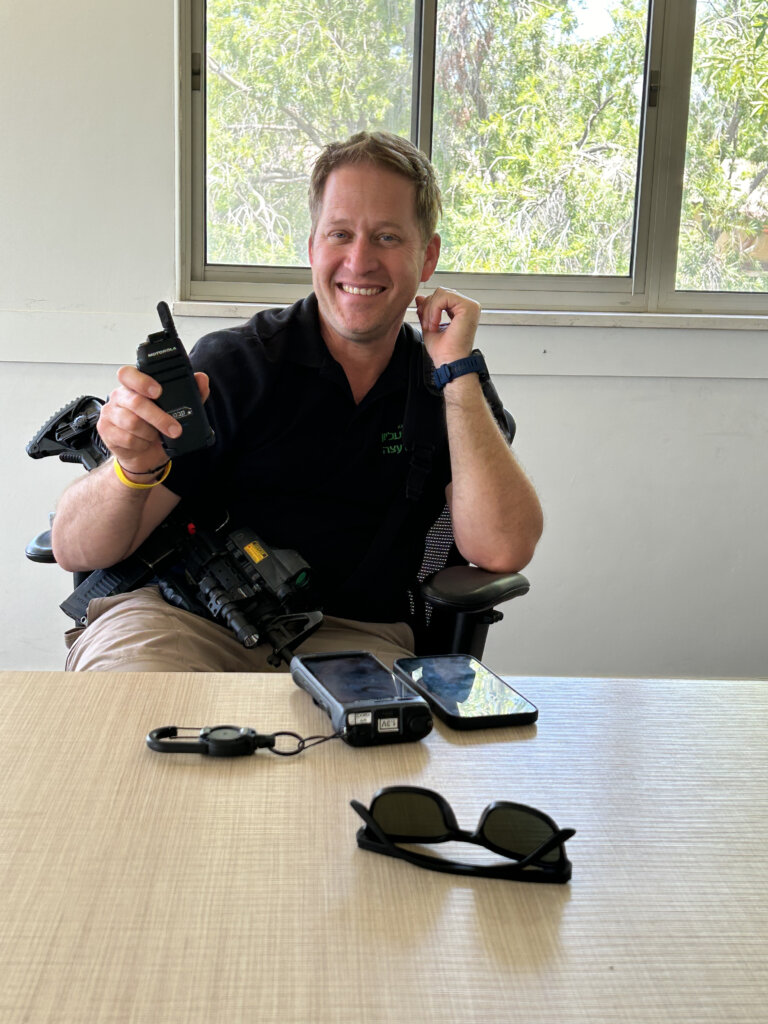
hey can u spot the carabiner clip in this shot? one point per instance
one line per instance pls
(216, 741)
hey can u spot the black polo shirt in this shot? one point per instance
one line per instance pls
(305, 467)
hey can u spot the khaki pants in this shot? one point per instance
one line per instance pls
(141, 632)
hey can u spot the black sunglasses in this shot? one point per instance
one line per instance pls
(409, 814)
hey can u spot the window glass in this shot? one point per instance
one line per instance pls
(536, 134)
(557, 128)
(723, 244)
(283, 77)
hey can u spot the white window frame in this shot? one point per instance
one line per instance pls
(505, 297)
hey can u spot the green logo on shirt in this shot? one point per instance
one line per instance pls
(392, 441)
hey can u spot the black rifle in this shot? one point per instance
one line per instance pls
(262, 594)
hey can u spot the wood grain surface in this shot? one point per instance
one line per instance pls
(145, 887)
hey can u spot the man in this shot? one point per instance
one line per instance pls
(302, 402)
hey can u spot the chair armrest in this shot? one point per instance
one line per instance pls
(39, 548)
(469, 589)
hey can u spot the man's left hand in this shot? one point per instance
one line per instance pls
(447, 342)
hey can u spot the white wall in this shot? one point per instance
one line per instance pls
(646, 445)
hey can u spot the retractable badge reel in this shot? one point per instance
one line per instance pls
(224, 741)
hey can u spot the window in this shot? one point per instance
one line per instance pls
(593, 154)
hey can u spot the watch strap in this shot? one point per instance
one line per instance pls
(474, 363)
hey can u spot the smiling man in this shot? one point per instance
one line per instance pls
(368, 256)
(308, 405)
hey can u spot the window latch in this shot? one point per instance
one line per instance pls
(196, 69)
(653, 88)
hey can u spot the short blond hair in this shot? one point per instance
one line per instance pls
(382, 149)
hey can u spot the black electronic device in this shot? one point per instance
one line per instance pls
(464, 693)
(367, 705)
(163, 357)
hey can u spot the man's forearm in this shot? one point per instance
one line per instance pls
(496, 515)
(98, 521)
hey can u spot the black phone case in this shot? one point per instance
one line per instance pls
(456, 721)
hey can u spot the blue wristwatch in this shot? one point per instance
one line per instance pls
(475, 363)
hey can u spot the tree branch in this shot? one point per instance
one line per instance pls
(592, 118)
(217, 70)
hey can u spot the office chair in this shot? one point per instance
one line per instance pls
(452, 603)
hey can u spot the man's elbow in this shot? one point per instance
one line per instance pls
(506, 562)
(503, 559)
(64, 557)
(68, 553)
(507, 555)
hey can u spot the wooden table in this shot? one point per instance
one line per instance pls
(145, 887)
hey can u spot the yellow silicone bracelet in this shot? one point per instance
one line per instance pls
(140, 487)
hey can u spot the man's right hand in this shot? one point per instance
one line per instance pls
(99, 521)
(131, 423)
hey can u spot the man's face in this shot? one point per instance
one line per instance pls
(367, 254)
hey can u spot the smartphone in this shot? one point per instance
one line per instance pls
(464, 693)
(365, 702)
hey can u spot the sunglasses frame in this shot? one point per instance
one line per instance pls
(530, 868)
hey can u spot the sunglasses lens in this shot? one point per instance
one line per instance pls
(413, 815)
(518, 832)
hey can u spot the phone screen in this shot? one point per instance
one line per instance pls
(465, 688)
(352, 677)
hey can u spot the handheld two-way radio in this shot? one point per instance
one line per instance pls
(163, 357)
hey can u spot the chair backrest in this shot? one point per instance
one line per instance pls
(433, 627)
